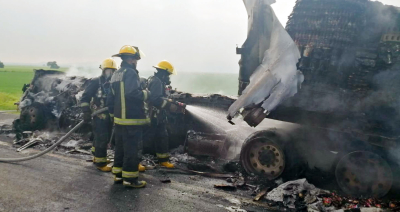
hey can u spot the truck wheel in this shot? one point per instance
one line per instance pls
(263, 154)
(364, 173)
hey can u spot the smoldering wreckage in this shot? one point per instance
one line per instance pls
(318, 100)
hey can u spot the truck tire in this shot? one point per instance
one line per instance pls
(264, 154)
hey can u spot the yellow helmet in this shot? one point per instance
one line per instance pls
(108, 63)
(130, 50)
(165, 65)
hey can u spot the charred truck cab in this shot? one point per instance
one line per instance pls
(347, 113)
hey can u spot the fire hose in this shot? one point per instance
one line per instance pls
(9, 160)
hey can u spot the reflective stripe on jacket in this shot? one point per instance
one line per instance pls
(126, 100)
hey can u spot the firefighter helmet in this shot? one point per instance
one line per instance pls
(165, 65)
(129, 50)
(108, 63)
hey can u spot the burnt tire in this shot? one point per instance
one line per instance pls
(33, 117)
(263, 154)
(364, 173)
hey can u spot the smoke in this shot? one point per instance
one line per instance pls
(40, 97)
(357, 80)
(381, 19)
(84, 71)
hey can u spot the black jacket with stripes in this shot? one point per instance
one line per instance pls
(126, 100)
(95, 94)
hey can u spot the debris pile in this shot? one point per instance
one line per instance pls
(43, 139)
(291, 192)
(300, 195)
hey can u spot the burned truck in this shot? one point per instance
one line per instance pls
(344, 118)
(48, 100)
(347, 112)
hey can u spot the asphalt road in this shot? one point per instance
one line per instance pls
(56, 182)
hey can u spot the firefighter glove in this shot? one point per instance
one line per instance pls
(177, 107)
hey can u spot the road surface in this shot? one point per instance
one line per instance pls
(57, 182)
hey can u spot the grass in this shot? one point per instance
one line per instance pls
(12, 78)
(7, 101)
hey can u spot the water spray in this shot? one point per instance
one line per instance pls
(216, 120)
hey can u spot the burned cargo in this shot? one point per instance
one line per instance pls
(346, 57)
(348, 108)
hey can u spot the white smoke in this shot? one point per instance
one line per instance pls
(84, 71)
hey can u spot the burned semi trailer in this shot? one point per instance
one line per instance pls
(349, 102)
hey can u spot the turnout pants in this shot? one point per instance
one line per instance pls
(157, 136)
(102, 132)
(126, 160)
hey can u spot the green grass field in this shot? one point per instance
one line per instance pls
(12, 78)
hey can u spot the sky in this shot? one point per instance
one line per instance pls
(194, 35)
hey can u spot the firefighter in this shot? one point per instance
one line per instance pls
(126, 103)
(158, 104)
(94, 97)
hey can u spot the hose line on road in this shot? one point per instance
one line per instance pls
(8, 160)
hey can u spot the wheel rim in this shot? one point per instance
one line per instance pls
(264, 157)
(364, 173)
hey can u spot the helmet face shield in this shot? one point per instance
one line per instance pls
(141, 53)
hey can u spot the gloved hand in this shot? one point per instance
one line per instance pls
(173, 108)
(177, 107)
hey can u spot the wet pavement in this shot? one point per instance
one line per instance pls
(59, 182)
(7, 118)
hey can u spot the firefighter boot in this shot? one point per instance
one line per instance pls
(167, 165)
(117, 180)
(134, 184)
(104, 168)
(142, 168)
(94, 160)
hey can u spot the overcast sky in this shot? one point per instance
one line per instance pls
(195, 35)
